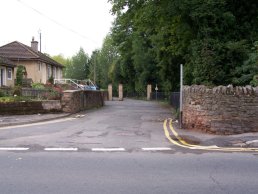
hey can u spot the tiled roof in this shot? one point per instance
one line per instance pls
(6, 62)
(17, 51)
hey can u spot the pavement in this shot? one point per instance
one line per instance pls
(12, 120)
(246, 140)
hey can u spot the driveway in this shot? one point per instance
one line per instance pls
(128, 124)
(116, 149)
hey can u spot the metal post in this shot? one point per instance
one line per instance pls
(156, 89)
(181, 96)
(39, 40)
(94, 70)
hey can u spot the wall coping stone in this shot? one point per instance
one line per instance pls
(224, 90)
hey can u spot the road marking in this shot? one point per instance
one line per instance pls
(156, 149)
(168, 136)
(61, 149)
(14, 149)
(39, 123)
(108, 149)
(184, 144)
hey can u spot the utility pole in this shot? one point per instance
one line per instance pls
(181, 96)
(39, 40)
(95, 70)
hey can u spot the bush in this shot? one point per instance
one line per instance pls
(14, 99)
(2, 94)
(51, 80)
(39, 86)
(17, 90)
(254, 82)
(21, 70)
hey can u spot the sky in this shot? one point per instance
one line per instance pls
(65, 25)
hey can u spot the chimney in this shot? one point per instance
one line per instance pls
(34, 45)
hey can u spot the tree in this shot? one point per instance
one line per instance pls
(78, 66)
(60, 59)
(101, 62)
(21, 71)
(212, 38)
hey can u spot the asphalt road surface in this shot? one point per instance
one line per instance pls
(120, 148)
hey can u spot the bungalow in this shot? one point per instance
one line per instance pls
(6, 72)
(39, 67)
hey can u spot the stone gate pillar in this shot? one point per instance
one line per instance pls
(120, 92)
(148, 92)
(110, 95)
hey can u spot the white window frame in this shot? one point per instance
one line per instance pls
(7, 72)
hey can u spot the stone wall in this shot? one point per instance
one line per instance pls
(33, 107)
(74, 101)
(221, 110)
(105, 95)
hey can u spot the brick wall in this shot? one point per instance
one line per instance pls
(221, 110)
(34, 107)
(75, 101)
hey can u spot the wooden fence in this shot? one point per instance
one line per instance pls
(33, 93)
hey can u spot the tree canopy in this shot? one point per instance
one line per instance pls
(216, 40)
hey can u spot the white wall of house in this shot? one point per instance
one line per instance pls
(40, 72)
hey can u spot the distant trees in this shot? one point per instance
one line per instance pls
(214, 39)
(76, 67)
(102, 63)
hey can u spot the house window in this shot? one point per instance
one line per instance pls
(60, 74)
(39, 66)
(9, 74)
(2, 77)
(49, 71)
(54, 72)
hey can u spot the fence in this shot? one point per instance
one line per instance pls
(41, 93)
(6, 91)
(173, 98)
(136, 95)
(33, 93)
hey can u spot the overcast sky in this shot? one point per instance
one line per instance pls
(66, 25)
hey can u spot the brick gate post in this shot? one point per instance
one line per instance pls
(120, 92)
(110, 95)
(148, 92)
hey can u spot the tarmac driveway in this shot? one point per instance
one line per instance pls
(129, 124)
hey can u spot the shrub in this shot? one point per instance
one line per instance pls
(254, 82)
(17, 90)
(38, 86)
(2, 94)
(19, 75)
(51, 80)
(14, 99)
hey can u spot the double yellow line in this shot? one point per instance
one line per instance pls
(182, 143)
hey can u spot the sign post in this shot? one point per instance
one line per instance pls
(181, 96)
(156, 89)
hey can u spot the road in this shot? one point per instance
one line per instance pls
(108, 150)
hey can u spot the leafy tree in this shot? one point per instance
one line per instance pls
(78, 66)
(214, 39)
(60, 59)
(21, 70)
(101, 62)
